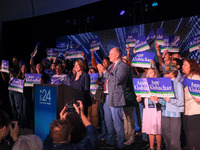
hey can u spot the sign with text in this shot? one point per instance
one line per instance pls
(51, 53)
(131, 39)
(16, 85)
(74, 53)
(151, 37)
(32, 79)
(194, 42)
(193, 87)
(141, 87)
(160, 87)
(141, 44)
(142, 59)
(4, 66)
(172, 44)
(94, 44)
(159, 37)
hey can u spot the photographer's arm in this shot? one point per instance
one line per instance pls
(80, 111)
(14, 132)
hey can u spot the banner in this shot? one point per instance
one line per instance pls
(194, 42)
(141, 87)
(32, 79)
(93, 86)
(36, 49)
(142, 59)
(141, 44)
(51, 53)
(193, 87)
(16, 85)
(131, 39)
(160, 87)
(159, 37)
(4, 66)
(151, 37)
(172, 45)
(94, 44)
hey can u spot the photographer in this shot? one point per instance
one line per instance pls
(61, 131)
(5, 127)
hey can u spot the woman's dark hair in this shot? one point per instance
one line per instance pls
(178, 62)
(82, 64)
(194, 67)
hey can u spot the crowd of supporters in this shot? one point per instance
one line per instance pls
(179, 118)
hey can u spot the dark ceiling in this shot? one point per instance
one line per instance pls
(22, 35)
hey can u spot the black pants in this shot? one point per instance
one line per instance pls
(191, 126)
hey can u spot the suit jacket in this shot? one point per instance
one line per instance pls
(117, 80)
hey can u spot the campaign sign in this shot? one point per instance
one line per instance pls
(56, 80)
(16, 85)
(141, 44)
(61, 45)
(161, 87)
(4, 66)
(131, 39)
(142, 59)
(32, 79)
(51, 53)
(94, 44)
(193, 87)
(173, 45)
(93, 86)
(36, 49)
(141, 87)
(194, 42)
(165, 44)
(159, 37)
(151, 38)
(74, 53)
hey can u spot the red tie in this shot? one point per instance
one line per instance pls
(111, 69)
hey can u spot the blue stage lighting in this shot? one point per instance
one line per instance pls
(122, 12)
(154, 4)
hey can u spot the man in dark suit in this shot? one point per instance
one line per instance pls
(116, 78)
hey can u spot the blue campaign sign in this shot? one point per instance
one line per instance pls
(93, 86)
(45, 109)
(142, 59)
(141, 44)
(4, 66)
(131, 39)
(159, 37)
(94, 44)
(32, 78)
(141, 87)
(194, 42)
(193, 87)
(151, 37)
(161, 87)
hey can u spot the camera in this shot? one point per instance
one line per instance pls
(70, 107)
(12, 124)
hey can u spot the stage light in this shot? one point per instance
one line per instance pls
(122, 12)
(154, 4)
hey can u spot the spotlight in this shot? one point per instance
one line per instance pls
(154, 4)
(122, 12)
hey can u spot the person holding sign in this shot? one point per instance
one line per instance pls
(191, 119)
(171, 111)
(152, 114)
(166, 57)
